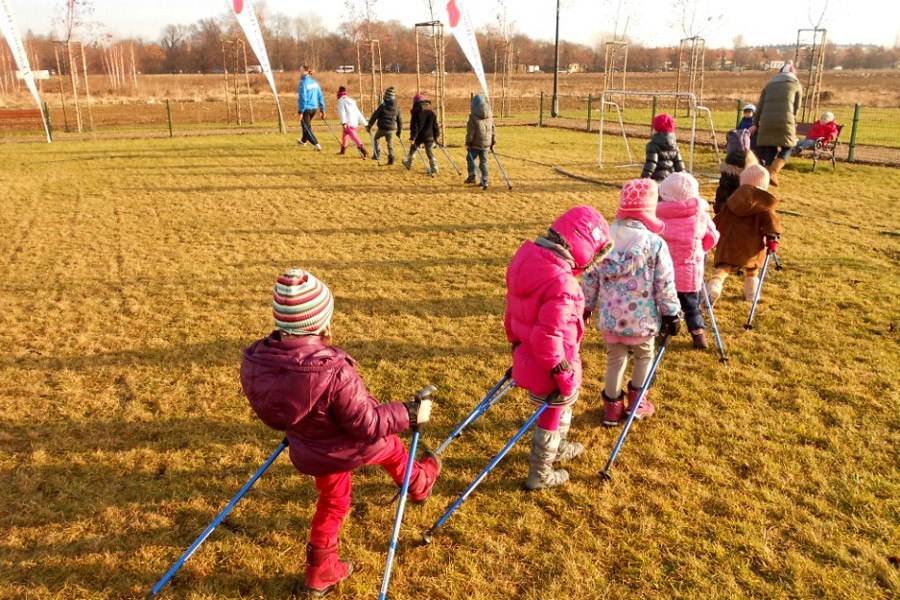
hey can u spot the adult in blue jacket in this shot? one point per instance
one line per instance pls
(310, 101)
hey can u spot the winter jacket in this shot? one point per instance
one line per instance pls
(314, 393)
(748, 217)
(387, 115)
(309, 95)
(423, 123)
(730, 175)
(663, 157)
(745, 123)
(828, 130)
(348, 112)
(776, 112)
(689, 234)
(544, 303)
(480, 133)
(633, 286)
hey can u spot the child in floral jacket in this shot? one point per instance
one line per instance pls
(633, 289)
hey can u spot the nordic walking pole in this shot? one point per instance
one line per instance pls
(375, 154)
(712, 320)
(187, 553)
(497, 392)
(423, 394)
(778, 266)
(427, 536)
(449, 160)
(502, 170)
(424, 162)
(604, 474)
(333, 134)
(762, 277)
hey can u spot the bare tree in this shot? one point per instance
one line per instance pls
(817, 22)
(74, 17)
(695, 18)
(311, 35)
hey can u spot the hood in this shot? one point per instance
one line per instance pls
(586, 233)
(304, 354)
(664, 140)
(479, 107)
(783, 78)
(749, 200)
(676, 209)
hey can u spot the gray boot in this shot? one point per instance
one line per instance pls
(544, 447)
(567, 450)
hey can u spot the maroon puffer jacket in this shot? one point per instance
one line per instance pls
(314, 393)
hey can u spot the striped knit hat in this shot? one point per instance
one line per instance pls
(390, 93)
(301, 304)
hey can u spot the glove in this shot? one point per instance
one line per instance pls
(565, 380)
(419, 410)
(671, 324)
(772, 245)
(322, 113)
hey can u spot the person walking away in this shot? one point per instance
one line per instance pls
(689, 234)
(825, 128)
(423, 131)
(543, 323)
(663, 156)
(749, 227)
(480, 137)
(309, 102)
(298, 382)
(350, 116)
(387, 118)
(775, 120)
(633, 291)
(738, 156)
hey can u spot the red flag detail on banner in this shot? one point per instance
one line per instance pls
(453, 13)
(238, 6)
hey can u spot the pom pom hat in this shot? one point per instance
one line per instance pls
(638, 201)
(663, 123)
(301, 304)
(755, 175)
(679, 187)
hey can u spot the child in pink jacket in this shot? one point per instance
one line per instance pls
(690, 234)
(543, 322)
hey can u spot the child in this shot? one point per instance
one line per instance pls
(480, 138)
(350, 116)
(387, 115)
(632, 288)
(689, 233)
(749, 228)
(423, 129)
(825, 128)
(738, 156)
(543, 323)
(746, 121)
(663, 156)
(297, 382)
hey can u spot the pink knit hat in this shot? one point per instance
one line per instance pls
(586, 232)
(757, 176)
(342, 91)
(638, 201)
(679, 187)
(663, 123)
(788, 67)
(418, 97)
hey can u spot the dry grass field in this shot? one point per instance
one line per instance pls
(135, 271)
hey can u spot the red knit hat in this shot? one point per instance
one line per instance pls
(638, 201)
(301, 304)
(663, 123)
(342, 91)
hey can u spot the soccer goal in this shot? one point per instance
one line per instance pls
(694, 113)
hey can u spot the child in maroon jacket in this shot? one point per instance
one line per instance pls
(297, 382)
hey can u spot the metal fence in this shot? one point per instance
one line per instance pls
(870, 136)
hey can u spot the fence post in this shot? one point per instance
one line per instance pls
(49, 124)
(737, 121)
(653, 114)
(541, 116)
(169, 116)
(590, 102)
(852, 152)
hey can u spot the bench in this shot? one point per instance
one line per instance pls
(822, 150)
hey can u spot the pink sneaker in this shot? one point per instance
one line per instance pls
(613, 409)
(646, 408)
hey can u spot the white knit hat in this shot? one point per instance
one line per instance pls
(827, 117)
(679, 187)
(757, 176)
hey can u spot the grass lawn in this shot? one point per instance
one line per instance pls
(135, 271)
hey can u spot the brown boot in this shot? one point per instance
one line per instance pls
(776, 167)
(324, 570)
(343, 150)
(363, 151)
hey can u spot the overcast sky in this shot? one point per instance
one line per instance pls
(653, 22)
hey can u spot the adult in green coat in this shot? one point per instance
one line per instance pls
(775, 121)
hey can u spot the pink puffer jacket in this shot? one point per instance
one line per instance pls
(544, 303)
(689, 233)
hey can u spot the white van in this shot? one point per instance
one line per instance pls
(345, 69)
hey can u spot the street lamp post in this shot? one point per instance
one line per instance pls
(554, 108)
